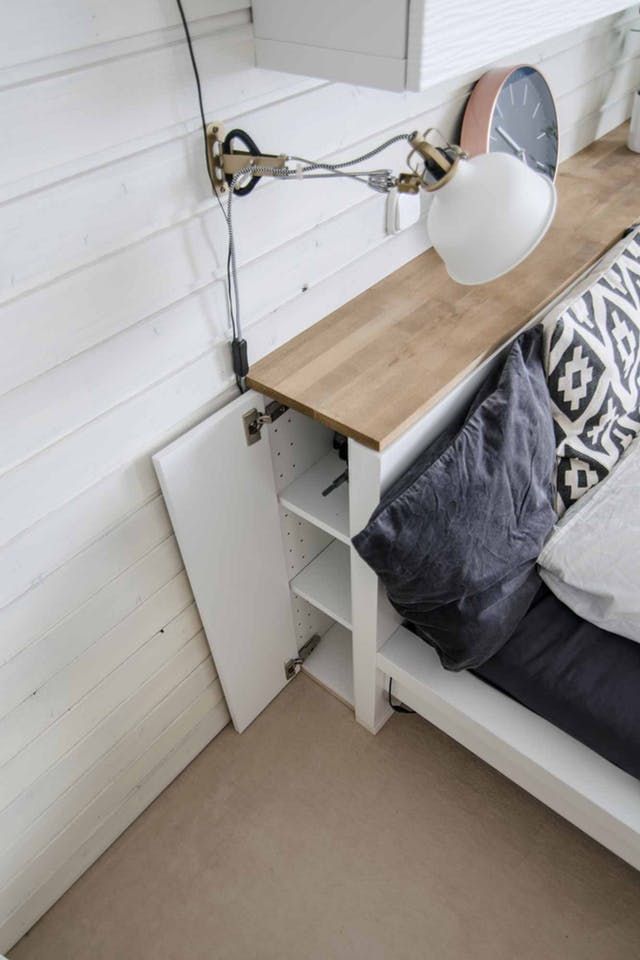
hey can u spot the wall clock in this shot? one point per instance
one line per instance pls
(511, 110)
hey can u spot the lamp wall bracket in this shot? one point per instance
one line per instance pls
(224, 162)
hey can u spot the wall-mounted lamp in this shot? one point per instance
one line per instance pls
(487, 212)
(486, 215)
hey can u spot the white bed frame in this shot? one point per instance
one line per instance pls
(234, 505)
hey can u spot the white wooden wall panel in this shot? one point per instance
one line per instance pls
(50, 857)
(60, 472)
(192, 731)
(122, 46)
(76, 801)
(174, 661)
(123, 700)
(114, 555)
(32, 666)
(113, 325)
(40, 31)
(119, 101)
(113, 690)
(63, 535)
(49, 701)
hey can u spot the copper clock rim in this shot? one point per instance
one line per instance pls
(474, 138)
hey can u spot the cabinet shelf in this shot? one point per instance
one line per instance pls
(304, 497)
(326, 583)
(331, 663)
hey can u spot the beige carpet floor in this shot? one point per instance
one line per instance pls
(308, 839)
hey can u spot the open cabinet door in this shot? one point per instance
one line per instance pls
(221, 497)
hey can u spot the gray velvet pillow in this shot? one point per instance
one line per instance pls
(455, 541)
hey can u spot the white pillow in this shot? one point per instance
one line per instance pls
(591, 561)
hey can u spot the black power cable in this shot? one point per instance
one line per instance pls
(398, 707)
(238, 346)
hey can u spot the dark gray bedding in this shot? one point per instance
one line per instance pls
(576, 675)
(455, 540)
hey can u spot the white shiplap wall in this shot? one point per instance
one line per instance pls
(113, 331)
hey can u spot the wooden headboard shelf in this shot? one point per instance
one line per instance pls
(375, 366)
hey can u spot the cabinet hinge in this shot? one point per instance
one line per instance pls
(254, 421)
(292, 666)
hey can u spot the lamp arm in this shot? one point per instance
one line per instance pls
(430, 165)
(225, 163)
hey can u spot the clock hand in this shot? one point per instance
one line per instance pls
(511, 142)
(544, 166)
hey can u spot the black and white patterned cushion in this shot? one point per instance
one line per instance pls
(592, 361)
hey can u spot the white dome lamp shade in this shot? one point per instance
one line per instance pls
(488, 214)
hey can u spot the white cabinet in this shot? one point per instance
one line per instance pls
(408, 44)
(265, 542)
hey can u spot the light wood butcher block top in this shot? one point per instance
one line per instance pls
(376, 365)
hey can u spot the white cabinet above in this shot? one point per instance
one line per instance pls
(408, 44)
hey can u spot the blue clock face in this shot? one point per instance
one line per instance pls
(525, 122)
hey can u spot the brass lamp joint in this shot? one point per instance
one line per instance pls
(432, 165)
(408, 183)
